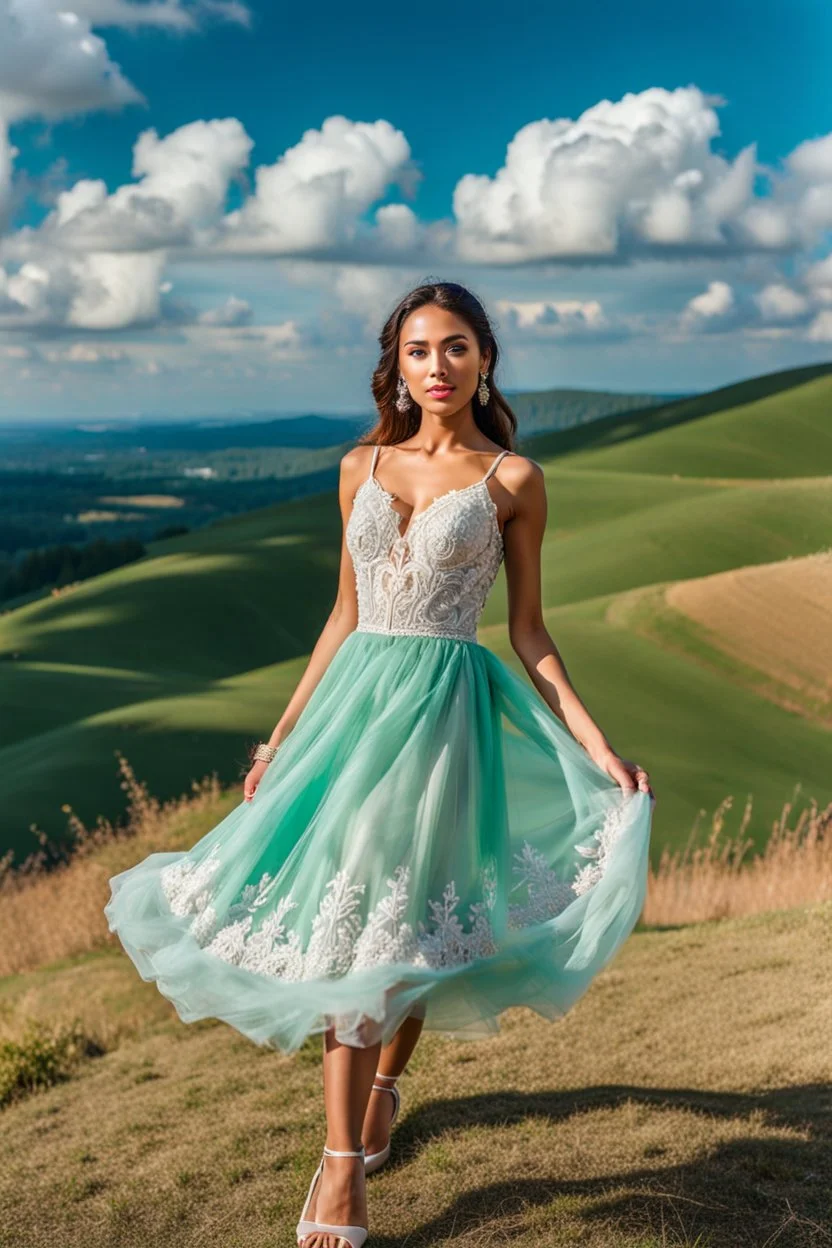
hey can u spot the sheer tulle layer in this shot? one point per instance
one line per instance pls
(430, 839)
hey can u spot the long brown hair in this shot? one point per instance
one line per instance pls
(496, 419)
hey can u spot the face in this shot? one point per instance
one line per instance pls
(438, 348)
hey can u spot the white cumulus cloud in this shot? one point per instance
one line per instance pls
(778, 302)
(179, 196)
(102, 291)
(96, 261)
(638, 177)
(626, 173)
(710, 310)
(562, 320)
(313, 197)
(52, 65)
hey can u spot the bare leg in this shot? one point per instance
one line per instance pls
(339, 1195)
(392, 1061)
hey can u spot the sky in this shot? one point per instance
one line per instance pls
(209, 207)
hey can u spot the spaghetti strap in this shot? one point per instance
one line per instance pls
(374, 460)
(496, 462)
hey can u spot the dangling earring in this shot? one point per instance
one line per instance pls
(402, 395)
(483, 392)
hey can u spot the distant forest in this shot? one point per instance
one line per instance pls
(63, 565)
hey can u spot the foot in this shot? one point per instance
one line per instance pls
(375, 1132)
(338, 1197)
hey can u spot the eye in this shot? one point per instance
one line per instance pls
(455, 346)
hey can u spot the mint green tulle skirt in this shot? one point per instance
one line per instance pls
(429, 840)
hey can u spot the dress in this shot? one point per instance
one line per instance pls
(429, 839)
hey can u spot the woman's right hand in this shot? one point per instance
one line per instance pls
(253, 778)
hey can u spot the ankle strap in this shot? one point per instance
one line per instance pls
(393, 1077)
(344, 1152)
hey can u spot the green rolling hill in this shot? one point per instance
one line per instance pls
(770, 426)
(182, 658)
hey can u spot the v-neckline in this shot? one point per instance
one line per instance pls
(412, 519)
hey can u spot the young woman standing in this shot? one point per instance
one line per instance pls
(426, 839)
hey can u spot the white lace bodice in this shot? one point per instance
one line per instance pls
(434, 578)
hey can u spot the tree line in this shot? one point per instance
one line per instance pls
(64, 563)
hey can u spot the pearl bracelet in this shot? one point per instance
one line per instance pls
(264, 752)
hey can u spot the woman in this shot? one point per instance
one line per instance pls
(365, 886)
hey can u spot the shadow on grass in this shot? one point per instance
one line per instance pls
(742, 1193)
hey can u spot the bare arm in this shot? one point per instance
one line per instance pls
(529, 637)
(341, 621)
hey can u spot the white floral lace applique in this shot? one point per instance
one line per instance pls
(386, 937)
(335, 929)
(185, 884)
(606, 837)
(548, 894)
(340, 943)
(448, 944)
(271, 950)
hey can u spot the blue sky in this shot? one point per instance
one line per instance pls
(209, 207)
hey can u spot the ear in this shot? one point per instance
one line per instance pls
(485, 363)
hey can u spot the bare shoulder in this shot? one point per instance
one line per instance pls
(355, 465)
(521, 475)
(356, 458)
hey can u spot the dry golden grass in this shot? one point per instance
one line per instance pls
(51, 907)
(715, 880)
(751, 612)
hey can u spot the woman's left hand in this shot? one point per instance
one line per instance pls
(626, 773)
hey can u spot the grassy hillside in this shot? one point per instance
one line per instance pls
(643, 1119)
(738, 403)
(180, 659)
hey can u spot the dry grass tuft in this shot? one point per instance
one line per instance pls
(51, 905)
(714, 880)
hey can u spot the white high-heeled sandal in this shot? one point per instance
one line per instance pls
(353, 1235)
(374, 1161)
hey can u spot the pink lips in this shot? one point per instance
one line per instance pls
(440, 392)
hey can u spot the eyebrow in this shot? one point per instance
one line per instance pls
(423, 342)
